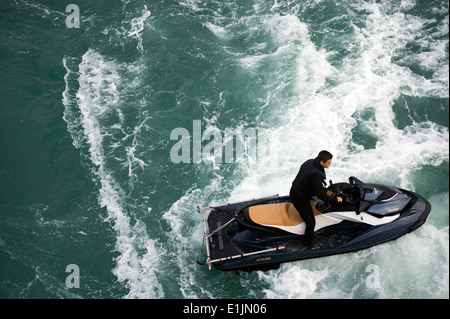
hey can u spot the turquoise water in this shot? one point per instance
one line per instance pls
(87, 176)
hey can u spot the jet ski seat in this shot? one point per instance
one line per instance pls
(284, 216)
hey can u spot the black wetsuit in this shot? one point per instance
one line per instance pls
(309, 182)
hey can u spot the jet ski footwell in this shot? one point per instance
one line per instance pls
(259, 234)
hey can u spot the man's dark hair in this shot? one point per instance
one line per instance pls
(324, 156)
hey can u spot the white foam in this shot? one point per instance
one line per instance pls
(323, 117)
(97, 98)
(137, 27)
(292, 282)
(132, 30)
(286, 28)
(311, 112)
(218, 31)
(296, 138)
(412, 266)
(377, 83)
(185, 238)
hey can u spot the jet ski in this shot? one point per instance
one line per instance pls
(260, 234)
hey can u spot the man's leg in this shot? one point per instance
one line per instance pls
(304, 208)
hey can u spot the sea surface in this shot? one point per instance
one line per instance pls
(113, 131)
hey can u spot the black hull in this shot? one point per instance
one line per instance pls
(243, 247)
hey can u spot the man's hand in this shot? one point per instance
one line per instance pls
(339, 199)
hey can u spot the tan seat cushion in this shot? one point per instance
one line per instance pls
(283, 214)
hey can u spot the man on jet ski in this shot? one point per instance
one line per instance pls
(310, 181)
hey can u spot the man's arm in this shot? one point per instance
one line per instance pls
(319, 190)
